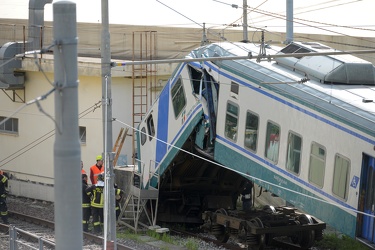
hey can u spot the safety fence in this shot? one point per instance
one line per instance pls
(15, 242)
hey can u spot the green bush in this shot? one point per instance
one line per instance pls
(191, 244)
(335, 242)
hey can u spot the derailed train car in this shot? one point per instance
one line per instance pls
(301, 126)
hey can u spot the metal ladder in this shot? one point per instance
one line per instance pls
(119, 143)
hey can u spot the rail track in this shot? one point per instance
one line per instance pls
(35, 232)
(277, 243)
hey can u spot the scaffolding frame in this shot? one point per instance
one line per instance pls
(142, 199)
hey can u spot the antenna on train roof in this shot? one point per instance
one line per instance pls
(262, 48)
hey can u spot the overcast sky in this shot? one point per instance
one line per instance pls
(317, 16)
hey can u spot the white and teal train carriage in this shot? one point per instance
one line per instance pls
(301, 126)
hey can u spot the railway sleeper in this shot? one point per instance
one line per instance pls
(259, 227)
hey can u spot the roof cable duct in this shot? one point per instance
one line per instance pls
(10, 78)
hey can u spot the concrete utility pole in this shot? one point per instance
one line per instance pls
(289, 21)
(109, 196)
(244, 9)
(67, 148)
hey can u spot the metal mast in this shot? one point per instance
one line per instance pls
(289, 21)
(67, 147)
(244, 9)
(109, 196)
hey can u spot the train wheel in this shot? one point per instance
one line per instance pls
(270, 209)
(219, 230)
(306, 237)
(252, 239)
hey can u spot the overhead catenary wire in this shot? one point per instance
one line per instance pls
(305, 22)
(44, 137)
(219, 35)
(283, 17)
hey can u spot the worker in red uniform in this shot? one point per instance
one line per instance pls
(3, 197)
(82, 170)
(96, 169)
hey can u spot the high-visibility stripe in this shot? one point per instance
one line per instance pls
(4, 179)
(97, 205)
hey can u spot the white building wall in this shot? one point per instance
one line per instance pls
(28, 156)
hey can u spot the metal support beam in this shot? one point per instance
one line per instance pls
(109, 196)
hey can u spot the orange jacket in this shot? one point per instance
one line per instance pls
(94, 172)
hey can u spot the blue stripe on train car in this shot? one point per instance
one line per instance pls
(162, 128)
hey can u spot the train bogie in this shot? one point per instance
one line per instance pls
(260, 227)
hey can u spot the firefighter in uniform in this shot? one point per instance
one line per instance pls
(119, 194)
(3, 197)
(86, 206)
(96, 169)
(96, 192)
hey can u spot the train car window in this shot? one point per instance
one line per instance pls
(9, 126)
(178, 97)
(231, 120)
(82, 134)
(341, 172)
(293, 156)
(251, 131)
(234, 88)
(317, 164)
(150, 127)
(143, 136)
(195, 78)
(272, 142)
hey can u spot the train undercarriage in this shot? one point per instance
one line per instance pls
(194, 191)
(259, 227)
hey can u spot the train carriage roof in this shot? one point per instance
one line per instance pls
(352, 103)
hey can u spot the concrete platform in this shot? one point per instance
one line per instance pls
(159, 243)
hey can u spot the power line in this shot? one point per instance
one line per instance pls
(44, 137)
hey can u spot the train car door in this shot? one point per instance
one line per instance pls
(367, 199)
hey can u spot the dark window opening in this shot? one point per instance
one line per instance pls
(9, 126)
(234, 87)
(143, 136)
(82, 134)
(150, 127)
(195, 76)
(178, 97)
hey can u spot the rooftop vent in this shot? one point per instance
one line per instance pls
(339, 69)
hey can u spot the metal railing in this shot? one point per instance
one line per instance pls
(14, 242)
